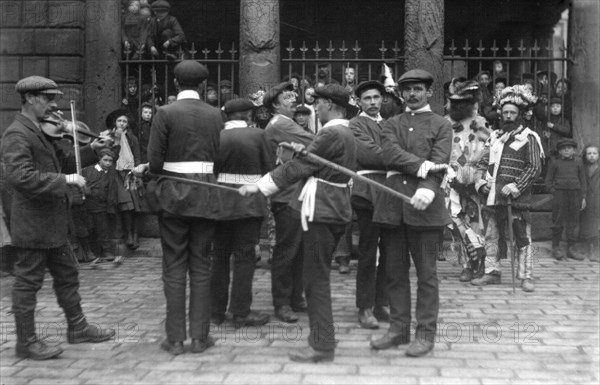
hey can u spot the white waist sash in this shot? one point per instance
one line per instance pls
(238, 178)
(189, 167)
(364, 172)
(308, 198)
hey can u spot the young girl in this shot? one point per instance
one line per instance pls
(128, 156)
(589, 222)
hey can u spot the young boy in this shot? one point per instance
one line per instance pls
(167, 32)
(556, 128)
(566, 180)
(302, 117)
(99, 203)
(143, 132)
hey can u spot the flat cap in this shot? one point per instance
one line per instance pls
(37, 84)
(161, 5)
(237, 105)
(190, 73)
(566, 142)
(225, 83)
(338, 94)
(369, 85)
(272, 94)
(416, 76)
(302, 109)
(106, 151)
(556, 101)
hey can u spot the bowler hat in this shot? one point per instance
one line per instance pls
(37, 84)
(338, 94)
(190, 73)
(237, 105)
(369, 85)
(302, 109)
(272, 94)
(566, 142)
(416, 76)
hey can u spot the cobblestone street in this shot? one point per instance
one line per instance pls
(486, 335)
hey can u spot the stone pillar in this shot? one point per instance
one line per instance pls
(102, 83)
(584, 41)
(424, 43)
(259, 45)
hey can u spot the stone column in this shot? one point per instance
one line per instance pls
(102, 83)
(424, 43)
(584, 41)
(259, 45)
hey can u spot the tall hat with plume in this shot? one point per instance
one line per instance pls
(257, 97)
(517, 95)
(464, 90)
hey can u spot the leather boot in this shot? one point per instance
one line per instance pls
(28, 345)
(80, 331)
(87, 251)
(466, 275)
(556, 253)
(572, 253)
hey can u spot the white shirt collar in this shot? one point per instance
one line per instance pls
(378, 118)
(335, 122)
(427, 108)
(188, 94)
(283, 116)
(100, 169)
(235, 124)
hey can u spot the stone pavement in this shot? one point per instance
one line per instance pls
(485, 335)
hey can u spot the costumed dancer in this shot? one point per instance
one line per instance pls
(470, 133)
(511, 165)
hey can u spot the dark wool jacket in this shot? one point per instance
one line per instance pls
(34, 167)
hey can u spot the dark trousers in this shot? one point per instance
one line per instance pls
(565, 213)
(29, 271)
(286, 265)
(370, 277)
(99, 234)
(319, 243)
(236, 237)
(423, 245)
(186, 243)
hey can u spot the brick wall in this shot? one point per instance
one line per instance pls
(41, 37)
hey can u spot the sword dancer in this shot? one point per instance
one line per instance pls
(184, 143)
(323, 200)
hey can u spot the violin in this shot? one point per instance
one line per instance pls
(58, 127)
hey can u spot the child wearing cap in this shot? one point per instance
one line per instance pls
(556, 127)
(166, 30)
(99, 203)
(566, 180)
(302, 117)
(589, 224)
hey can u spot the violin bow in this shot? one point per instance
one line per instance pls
(76, 142)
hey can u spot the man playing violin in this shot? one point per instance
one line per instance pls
(40, 175)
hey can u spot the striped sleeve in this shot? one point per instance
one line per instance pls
(533, 167)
